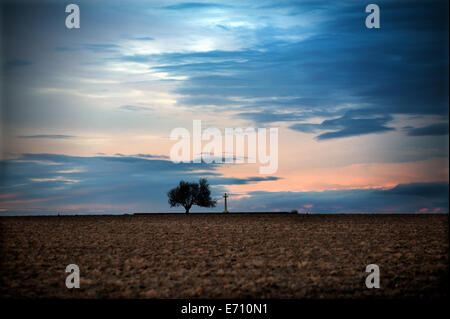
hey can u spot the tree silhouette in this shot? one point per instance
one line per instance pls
(187, 194)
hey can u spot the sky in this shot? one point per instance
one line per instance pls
(86, 114)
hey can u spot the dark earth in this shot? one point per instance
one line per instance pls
(225, 256)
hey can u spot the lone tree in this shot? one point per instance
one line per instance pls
(188, 194)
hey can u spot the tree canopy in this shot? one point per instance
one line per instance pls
(188, 194)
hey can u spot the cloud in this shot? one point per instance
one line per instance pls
(423, 190)
(48, 136)
(93, 47)
(430, 130)
(270, 117)
(116, 184)
(404, 198)
(148, 156)
(99, 47)
(353, 123)
(144, 39)
(51, 182)
(195, 6)
(379, 73)
(243, 181)
(134, 108)
(151, 156)
(309, 64)
(17, 63)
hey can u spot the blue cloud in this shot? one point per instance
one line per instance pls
(144, 39)
(119, 183)
(152, 156)
(17, 63)
(242, 181)
(339, 66)
(134, 108)
(269, 117)
(93, 47)
(139, 183)
(430, 130)
(195, 5)
(351, 124)
(404, 198)
(99, 47)
(422, 190)
(288, 61)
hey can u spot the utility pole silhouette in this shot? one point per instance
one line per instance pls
(225, 196)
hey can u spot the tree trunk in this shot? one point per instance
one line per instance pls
(187, 209)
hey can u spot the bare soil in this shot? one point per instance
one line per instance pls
(225, 256)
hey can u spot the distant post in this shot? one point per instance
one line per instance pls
(225, 196)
